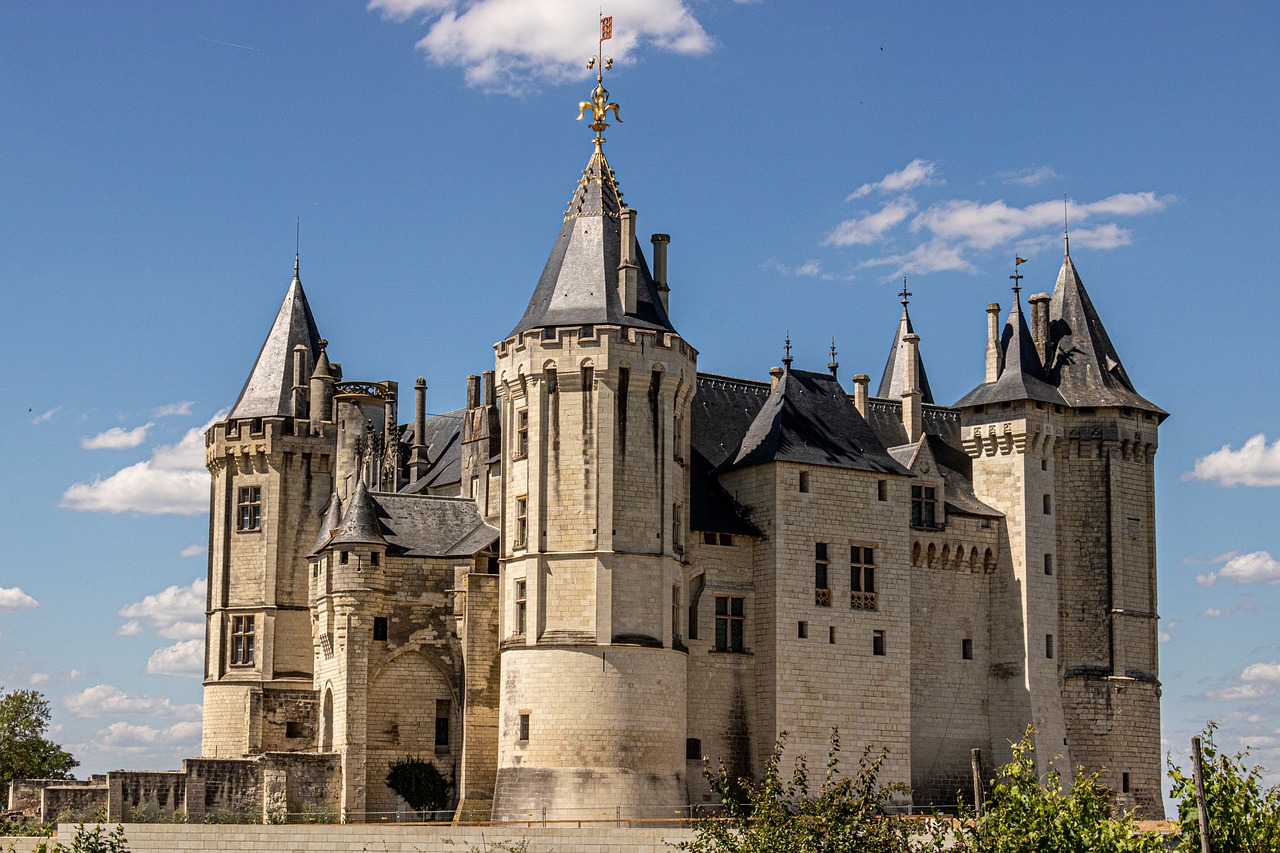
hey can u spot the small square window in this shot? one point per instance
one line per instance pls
(802, 630)
(831, 634)
(1124, 783)
(966, 649)
(524, 726)
(380, 629)
(708, 538)
(877, 643)
(804, 481)
(882, 490)
(343, 557)
(294, 729)
(693, 749)
(375, 558)
(1048, 564)
(1044, 464)
(1048, 646)
(1048, 504)
(726, 539)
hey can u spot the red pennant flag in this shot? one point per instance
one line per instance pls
(606, 28)
(1018, 261)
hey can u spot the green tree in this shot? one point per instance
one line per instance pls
(845, 813)
(1244, 817)
(25, 753)
(421, 785)
(1028, 814)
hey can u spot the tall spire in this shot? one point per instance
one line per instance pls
(579, 284)
(1084, 363)
(786, 350)
(894, 379)
(268, 392)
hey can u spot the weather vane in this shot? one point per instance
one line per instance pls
(1017, 275)
(599, 103)
(905, 294)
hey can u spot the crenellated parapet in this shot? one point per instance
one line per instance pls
(1017, 436)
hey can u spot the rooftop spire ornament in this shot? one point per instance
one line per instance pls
(599, 103)
(1017, 275)
(905, 294)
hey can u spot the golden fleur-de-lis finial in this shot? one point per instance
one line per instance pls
(599, 103)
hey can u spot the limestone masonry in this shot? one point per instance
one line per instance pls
(609, 565)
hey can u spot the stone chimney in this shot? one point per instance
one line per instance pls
(628, 268)
(418, 460)
(660, 243)
(861, 382)
(993, 342)
(322, 380)
(775, 376)
(912, 396)
(1040, 325)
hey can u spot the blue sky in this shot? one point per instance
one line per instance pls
(156, 156)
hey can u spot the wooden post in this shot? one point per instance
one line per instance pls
(975, 764)
(1203, 810)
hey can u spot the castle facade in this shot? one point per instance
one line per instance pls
(610, 565)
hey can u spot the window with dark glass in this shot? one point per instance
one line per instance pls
(242, 640)
(522, 606)
(380, 628)
(730, 617)
(821, 575)
(522, 433)
(923, 506)
(862, 577)
(442, 722)
(522, 521)
(877, 643)
(249, 508)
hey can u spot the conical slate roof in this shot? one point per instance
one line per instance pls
(1022, 377)
(360, 525)
(579, 285)
(809, 418)
(268, 392)
(894, 380)
(329, 524)
(1083, 362)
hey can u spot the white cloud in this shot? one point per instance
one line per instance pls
(1261, 672)
(985, 225)
(13, 598)
(117, 438)
(1254, 464)
(871, 227)
(173, 480)
(1029, 177)
(193, 550)
(509, 45)
(103, 700)
(128, 738)
(38, 677)
(806, 269)
(1258, 567)
(1166, 631)
(185, 658)
(75, 674)
(132, 628)
(916, 173)
(933, 256)
(46, 416)
(182, 408)
(176, 612)
(1238, 692)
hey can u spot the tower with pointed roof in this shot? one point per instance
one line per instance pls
(595, 385)
(1062, 443)
(271, 462)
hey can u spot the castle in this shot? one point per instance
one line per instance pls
(609, 565)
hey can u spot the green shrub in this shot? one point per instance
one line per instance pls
(1244, 817)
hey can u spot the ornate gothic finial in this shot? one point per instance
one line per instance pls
(833, 365)
(1017, 276)
(905, 294)
(786, 348)
(599, 103)
(324, 344)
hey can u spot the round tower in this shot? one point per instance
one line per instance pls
(595, 388)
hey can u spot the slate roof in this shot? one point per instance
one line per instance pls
(1084, 363)
(360, 525)
(330, 524)
(894, 379)
(432, 525)
(268, 392)
(722, 410)
(808, 418)
(579, 285)
(443, 437)
(1022, 376)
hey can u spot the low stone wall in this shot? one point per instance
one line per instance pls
(73, 802)
(605, 838)
(142, 795)
(24, 794)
